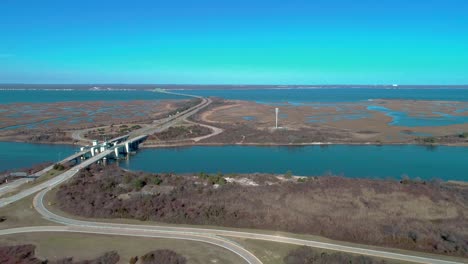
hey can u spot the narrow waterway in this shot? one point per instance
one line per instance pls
(442, 162)
(14, 155)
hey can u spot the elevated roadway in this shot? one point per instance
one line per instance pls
(137, 136)
(212, 236)
(14, 185)
(54, 181)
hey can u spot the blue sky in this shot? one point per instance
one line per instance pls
(234, 42)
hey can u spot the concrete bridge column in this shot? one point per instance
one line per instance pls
(116, 153)
(127, 147)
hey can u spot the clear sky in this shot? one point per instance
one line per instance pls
(234, 41)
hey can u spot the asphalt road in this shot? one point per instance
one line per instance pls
(217, 241)
(39, 205)
(54, 181)
(212, 236)
(10, 187)
(163, 125)
(170, 121)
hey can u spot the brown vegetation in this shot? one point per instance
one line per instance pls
(426, 216)
(320, 122)
(245, 133)
(163, 256)
(180, 133)
(113, 131)
(307, 255)
(25, 254)
(52, 122)
(185, 106)
(461, 138)
(44, 135)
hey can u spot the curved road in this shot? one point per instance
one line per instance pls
(157, 127)
(212, 236)
(202, 232)
(217, 241)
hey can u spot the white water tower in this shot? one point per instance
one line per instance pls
(276, 112)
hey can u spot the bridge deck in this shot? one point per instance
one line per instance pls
(124, 137)
(138, 138)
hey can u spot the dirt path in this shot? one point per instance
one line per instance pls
(215, 131)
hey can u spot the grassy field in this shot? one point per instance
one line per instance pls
(22, 213)
(55, 246)
(274, 253)
(260, 248)
(267, 252)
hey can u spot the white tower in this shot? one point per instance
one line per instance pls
(276, 112)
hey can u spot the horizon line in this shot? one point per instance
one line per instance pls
(221, 84)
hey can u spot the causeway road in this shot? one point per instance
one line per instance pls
(54, 181)
(12, 186)
(157, 127)
(212, 236)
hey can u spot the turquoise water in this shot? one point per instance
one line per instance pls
(41, 96)
(303, 96)
(23, 155)
(448, 163)
(277, 96)
(403, 119)
(352, 161)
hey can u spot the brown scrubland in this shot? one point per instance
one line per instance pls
(100, 120)
(339, 123)
(112, 131)
(407, 214)
(162, 256)
(44, 135)
(25, 254)
(180, 133)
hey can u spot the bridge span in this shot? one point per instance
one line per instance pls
(130, 145)
(112, 149)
